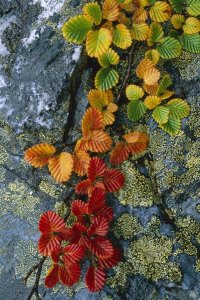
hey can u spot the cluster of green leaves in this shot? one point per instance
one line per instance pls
(165, 30)
(167, 113)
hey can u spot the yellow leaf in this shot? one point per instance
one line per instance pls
(39, 155)
(160, 11)
(153, 55)
(61, 166)
(112, 107)
(152, 101)
(192, 25)
(140, 15)
(134, 92)
(177, 21)
(140, 31)
(97, 98)
(127, 5)
(122, 37)
(110, 57)
(124, 20)
(166, 94)
(111, 10)
(93, 12)
(98, 42)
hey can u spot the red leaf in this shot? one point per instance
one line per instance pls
(101, 247)
(95, 279)
(99, 226)
(83, 187)
(113, 180)
(51, 222)
(119, 153)
(69, 275)
(47, 242)
(96, 168)
(55, 253)
(107, 263)
(106, 212)
(96, 200)
(66, 234)
(79, 208)
(72, 254)
(52, 276)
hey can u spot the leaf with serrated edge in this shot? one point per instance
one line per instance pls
(98, 42)
(76, 29)
(39, 155)
(93, 11)
(136, 110)
(134, 92)
(178, 108)
(122, 37)
(106, 78)
(61, 166)
(161, 114)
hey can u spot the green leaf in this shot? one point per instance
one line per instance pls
(76, 29)
(172, 126)
(134, 92)
(178, 108)
(193, 7)
(106, 78)
(161, 114)
(136, 110)
(177, 5)
(109, 58)
(155, 34)
(164, 84)
(190, 42)
(169, 48)
(93, 11)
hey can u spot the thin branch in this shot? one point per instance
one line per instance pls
(128, 71)
(35, 287)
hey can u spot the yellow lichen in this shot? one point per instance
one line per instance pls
(149, 256)
(137, 190)
(127, 226)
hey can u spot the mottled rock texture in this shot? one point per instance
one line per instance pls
(43, 86)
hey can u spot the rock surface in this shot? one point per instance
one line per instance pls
(43, 84)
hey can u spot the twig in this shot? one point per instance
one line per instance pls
(34, 289)
(128, 71)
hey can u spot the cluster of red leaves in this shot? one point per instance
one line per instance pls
(87, 238)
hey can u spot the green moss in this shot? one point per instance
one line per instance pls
(127, 226)
(149, 256)
(137, 190)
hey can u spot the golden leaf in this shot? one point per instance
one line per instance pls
(111, 10)
(39, 155)
(81, 162)
(152, 101)
(151, 89)
(61, 166)
(98, 42)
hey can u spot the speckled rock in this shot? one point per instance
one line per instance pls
(43, 85)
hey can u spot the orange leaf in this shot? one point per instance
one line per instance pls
(151, 76)
(151, 89)
(111, 10)
(135, 137)
(119, 153)
(152, 101)
(61, 166)
(98, 141)
(39, 155)
(137, 141)
(92, 120)
(81, 162)
(143, 66)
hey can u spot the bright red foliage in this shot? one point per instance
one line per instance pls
(87, 238)
(110, 180)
